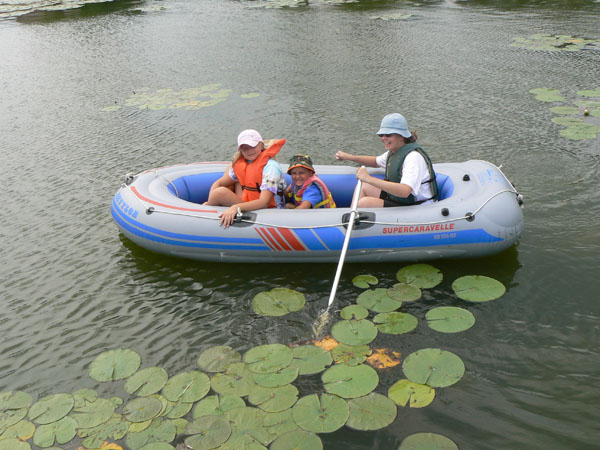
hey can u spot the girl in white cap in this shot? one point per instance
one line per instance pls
(260, 177)
(409, 175)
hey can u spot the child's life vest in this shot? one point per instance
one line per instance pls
(327, 201)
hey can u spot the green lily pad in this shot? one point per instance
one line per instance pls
(434, 367)
(378, 300)
(297, 440)
(354, 312)
(310, 359)
(136, 427)
(147, 381)
(404, 392)
(581, 131)
(279, 423)
(321, 415)
(14, 444)
(395, 322)
(429, 441)
(567, 110)
(142, 409)
(22, 430)
(180, 425)
(276, 379)
(371, 412)
(160, 430)
(188, 387)
(364, 281)
(354, 332)
(403, 292)
(52, 408)
(93, 413)
(247, 429)
(216, 359)
(449, 319)
(268, 358)
(15, 400)
(274, 399)
(350, 381)
(166, 404)
(350, 355)
(477, 288)
(422, 276)
(114, 365)
(568, 121)
(547, 95)
(61, 432)
(207, 432)
(179, 409)
(82, 397)
(592, 93)
(237, 380)
(217, 405)
(158, 446)
(115, 428)
(554, 43)
(278, 302)
(10, 417)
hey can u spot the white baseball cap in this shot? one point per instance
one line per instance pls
(249, 137)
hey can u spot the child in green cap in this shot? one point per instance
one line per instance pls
(307, 190)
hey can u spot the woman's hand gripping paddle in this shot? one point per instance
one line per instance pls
(324, 315)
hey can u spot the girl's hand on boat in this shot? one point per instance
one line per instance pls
(228, 216)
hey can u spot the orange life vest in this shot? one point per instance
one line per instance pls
(250, 175)
(326, 195)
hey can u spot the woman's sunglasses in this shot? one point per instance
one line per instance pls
(384, 135)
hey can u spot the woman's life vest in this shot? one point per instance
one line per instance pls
(327, 201)
(250, 174)
(393, 172)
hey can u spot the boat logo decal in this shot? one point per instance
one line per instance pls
(418, 228)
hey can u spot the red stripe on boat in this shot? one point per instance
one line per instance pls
(287, 234)
(267, 239)
(136, 192)
(274, 232)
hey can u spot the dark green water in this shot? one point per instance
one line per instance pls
(71, 287)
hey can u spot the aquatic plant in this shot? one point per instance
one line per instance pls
(554, 43)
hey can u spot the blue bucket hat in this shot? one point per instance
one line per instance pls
(394, 124)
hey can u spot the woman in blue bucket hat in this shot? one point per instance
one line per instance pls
(409, 175)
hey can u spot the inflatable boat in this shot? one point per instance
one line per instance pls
(478, 214)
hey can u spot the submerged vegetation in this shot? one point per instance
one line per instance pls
(249, 401)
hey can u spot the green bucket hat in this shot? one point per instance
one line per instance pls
(300, 161)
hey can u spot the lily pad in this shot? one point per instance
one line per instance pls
(395, 322)
(547, 95)
(114, 365)
(268, 358)
(371, 412)
(378, 300)
(10, 417)
(449, 319)
(364, 281)
(279, 423)
(434, 367)
(217, 405)
(115, 428)
(350, 355)
(147, 381)
(354, 332)
(247, 429)
(237, 380)
(354, 312)
(403, 292)
(591, 93)
(216, 359)
(278, 302)
(93, 413)
(142, 409)
(555, 42)
(422, 276)
(160, 430)
(15, 400)
(179, 409)
(405, 392)
(52, 408)
(61, 432)
(274, 399)
(276, 379)
(350, 381)
(297, 440)
(188, 387)
(310, 359)
(14, 444)
(566, 110)
(581, 131)
(207, 432)
(321, 415)
(383, 358)
(22, 430)
(429, 441)
(156, 446)
(477, 288)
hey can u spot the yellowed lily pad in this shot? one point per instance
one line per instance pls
(405, 392)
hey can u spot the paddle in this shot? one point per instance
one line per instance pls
(324, 315)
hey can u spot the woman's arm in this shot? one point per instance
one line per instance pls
(363, 160)
(397, 189)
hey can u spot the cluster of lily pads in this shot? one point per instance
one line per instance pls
(393, 16)
(249, 401)
(555, 43)
(15, 9)
(189, 99)
(587, 105)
